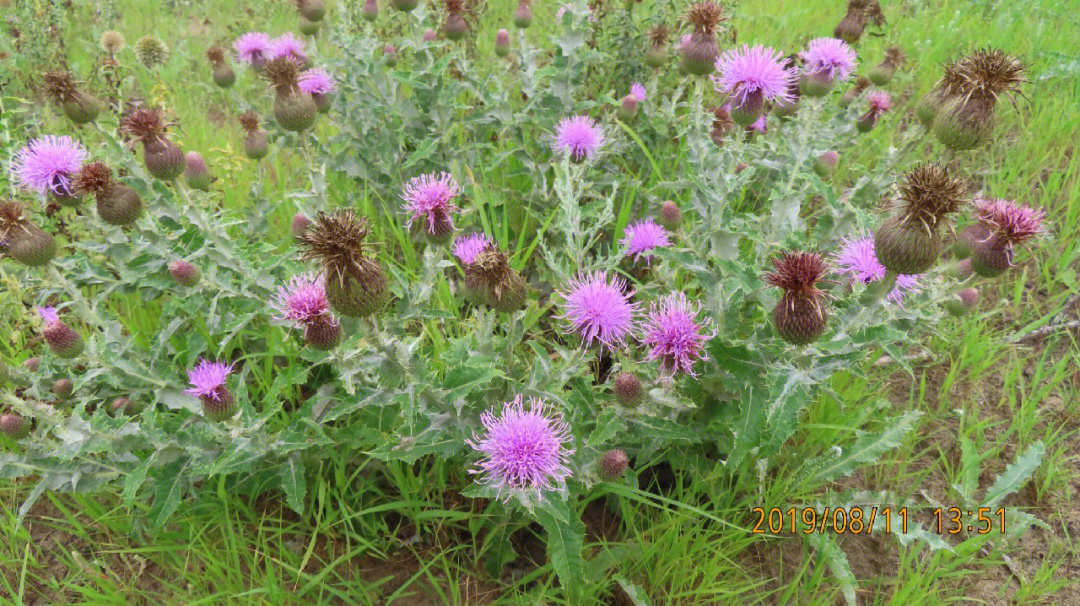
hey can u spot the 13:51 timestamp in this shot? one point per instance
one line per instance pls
(951, 520)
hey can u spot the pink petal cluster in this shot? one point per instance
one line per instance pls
(288, 45)
(599, 308)
(1015, 222)
(579, 136)
(468, 246)
(642, 238)
(303, 300)
(316, 81)
(829, 57)
(858, 260)
(637, 90)
(48, 164)
(524, 449)
(759, 72)
(48, 315)
(431, 196)
(675, 335)
(208, 379)
(252, 47)
(880, 102)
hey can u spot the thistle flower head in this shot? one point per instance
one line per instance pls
(988, 73)
(289, 46)
(658, 34)
(599, 308)
(880, 102)
(705, 16)
(578, 136)
(929, 194)
(112, 42)
(215, 54)
(523, 449)
(337, 241)
(151, 51)
(894, 57)
(674, 334)
(468, 246)
(757, 72)
(861, 83)
(317, 81)
(249, 121)
(1012, 222)
(252, 47)
(208, 380)
(60, 86)
(48, 164)
(283, 73)
(49, 315)
(431, 196)
(637, 90)
(303, 299)
(145, 125)
(828, 57)
(760, 125)
(11, 216)
(643, 237)
(858, 260)
(798, 273)
(454, 6)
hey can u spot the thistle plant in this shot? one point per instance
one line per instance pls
(1005, 224)
(24, 241)
(699, 52)
(454, 25)
(965, 119)
(253, 48)
(675, 335)
(152, 52)
(196, 173)
(850, 95)
(578, 137)
(117, 204)
(290, 47)
(355, 284)
(598, 308)
(859, 13)
(48, 166)
(79, 106)
(523, 14)
(312, 10)
(111, 42)
(162, 157)
(826, 61)
(909, 242)
(294, 109)
(255, 144)
(429, 202)
(752, 77)
(879, 102)
(495, 283)
(61, 338)
(882, 73)
(644, 237)
(304, 302)
(801, 315)
(657, 54)
(208, 383)
(320, 85)
(223, 74)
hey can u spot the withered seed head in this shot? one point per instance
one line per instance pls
(336, 240)
(95, 177)
(249, 121)
(894, 56)
(705, 16)
(454, 6)
(861, 83)
(798, 273)
(492, 266)
(59, 86)
(11, 214)
(988, 73)
(145, 125)
(215, 54)
(873, 13)
(658, 34)
(929, 194)
(283, 73)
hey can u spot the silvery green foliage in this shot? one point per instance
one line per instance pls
(390, 392)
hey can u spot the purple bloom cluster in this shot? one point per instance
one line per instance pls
(252, 47)
(637, 90)
(599, 308)
(49, 164)
(880, 102)
(288, 45)
(303, 300)
(468, 246)
(675, 335)
(431, 196)
(524, 450)
(579, 136)
(316, 81)
(757, 73)
(208, 380)
(858, 260)
(643, 237)
(1015, 222)
(830, 58)
(48, 315)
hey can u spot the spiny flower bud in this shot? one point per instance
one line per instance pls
(208, 384)
(628, 390)
(963, 302)
(355, 284)
(224, 76)
(370, 11)
(968, 238)
(909, 242)
(125, 407)
(26, 243)
(880, 102)
(700, 52)
(312, 10)
(883, 72)
(184, 273)
(500, 286)
(851, 27)
(294, 109)
(849, 96)
(826, 61)
(613, 464)
(151, 51)
(430, 35)
(628, 108)
(112, 42)
(32, 364)
(300, 224)
(800, 315)
(523, 14)
(14, 426)
(162, 157)
(965, 119)
(455, 26)
(502, 43)
(117, 204)
(963, 269)
(62, 339)
(78, 106)
(825, 164)
(670, 215)
(63, 388)
(255, 144)
(1007, 224)
(389, 52)
(657, 54)
(196, 173)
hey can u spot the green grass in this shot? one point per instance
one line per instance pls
(396, 533)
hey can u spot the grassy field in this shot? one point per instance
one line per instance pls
(986, 383)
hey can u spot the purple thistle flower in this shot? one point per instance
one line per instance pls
(48, 315)
(600, 309)
(524, 450)
(431, 196)
(304, 300)
(208, 379)
(638, 91)
(48, 164)
(754, 74)
(684, 41)
(642, 237)
(880, 102)
(830, 58)
(288, 45)
(760, 125)
(467, 247)
(252, 47)
(675, 336)
(858, 260)
(1014, 222)
(316, 81)
(579, 136)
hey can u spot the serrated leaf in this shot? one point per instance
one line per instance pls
(293, 483)
(868, 448)
(135, 479)
(636, 594)
(565, 542)
(836, 560)
(968, 481)
(1015, 475)
(168, 490)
